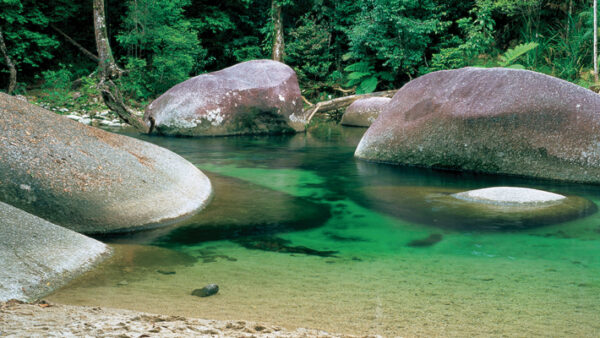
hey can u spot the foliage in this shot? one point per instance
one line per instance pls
(393, 35)
(162, 46)
(364, 45)
(362, 74)
(510, 56)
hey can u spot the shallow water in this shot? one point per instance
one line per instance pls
(301, 234)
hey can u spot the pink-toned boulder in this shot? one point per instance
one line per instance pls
(496, 120)
(362, 113)
(254, 97)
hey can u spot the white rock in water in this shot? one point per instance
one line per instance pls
(509, 196)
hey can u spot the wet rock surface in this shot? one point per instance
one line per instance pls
(37, 257)
(362, 113)
(89, 180)
(496, 120)
(438, 207)
(254, 97)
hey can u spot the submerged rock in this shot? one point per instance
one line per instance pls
(496, 120)
(254, 97)
(425, 242)
(37, 257)
(278, 244)
(241, 208)
(442, 208)
(89, 180)
(510, 196)
(209, 290)
(363, 112)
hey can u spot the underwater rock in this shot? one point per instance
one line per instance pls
(89, 180)
(253, 97)
(241, 208)
(206, 291)
(362, 113)
(278, 244)
(495, 120)
(441, 208)
(509, 196)
(424, 242)
(37, 257)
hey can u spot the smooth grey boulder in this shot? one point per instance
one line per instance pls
(37, 257)
(253, 97)
(363, 112)
(495, 120)
(89, 180)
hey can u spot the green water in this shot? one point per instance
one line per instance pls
(370, 268)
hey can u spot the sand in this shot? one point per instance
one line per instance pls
(44, 319)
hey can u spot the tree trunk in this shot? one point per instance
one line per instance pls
(109, 71)
(342, 102)
(596, 41)
(12, 84)
(278, 44)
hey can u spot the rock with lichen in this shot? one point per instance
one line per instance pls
(90, 180)
(363, 112)
(253, 97)
(496, 120)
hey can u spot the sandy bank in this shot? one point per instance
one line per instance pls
(47, 320)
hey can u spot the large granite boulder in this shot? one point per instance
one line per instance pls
(38, 257)
(254, 97)
(494, 120)
(363, 112)
(89, 180)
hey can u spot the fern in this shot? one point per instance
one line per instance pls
(510, 56)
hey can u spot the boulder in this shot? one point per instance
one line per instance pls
(489, 209)
(254, 97)
(496, 120)
(38, 256)
(362, 113)
(89, 180)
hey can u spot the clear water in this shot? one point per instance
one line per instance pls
(301, 234)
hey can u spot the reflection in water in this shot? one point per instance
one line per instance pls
(393, 273)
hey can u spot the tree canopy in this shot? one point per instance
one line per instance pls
(335, 47)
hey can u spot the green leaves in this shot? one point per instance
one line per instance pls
(364, 77)
(510, 56)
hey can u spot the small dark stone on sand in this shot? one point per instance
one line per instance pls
(424, 242)
(166, 272)
(206, 291)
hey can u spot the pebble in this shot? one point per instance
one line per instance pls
(206, 291)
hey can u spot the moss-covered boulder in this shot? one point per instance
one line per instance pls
(496, 120)
(89, 180)
(253, 97)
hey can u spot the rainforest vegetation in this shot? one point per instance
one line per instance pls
(336, 47)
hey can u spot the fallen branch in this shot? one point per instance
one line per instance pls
(306, 101)
(342, 102)
(74, 43)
